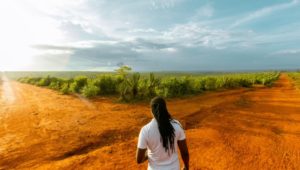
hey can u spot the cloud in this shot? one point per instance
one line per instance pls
(264, 12)
(287, 52)
(139, 30)
(150, 35)
(169, 50)
(164, 4)
(194, 34)
(52, 47)
(204, 11)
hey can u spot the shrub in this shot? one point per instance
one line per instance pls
(78, 83)
(227, 82)
(106, 84)
(44, 81)
(65, 88)
(147, 87)
(187, 85)
(55, 85)
(134, 84)
(123, 89)
(143, 88)
(152, 84)
(174, 87)
(90, 90)
(210, 83)
(245, 83)
(34, 80)
(199, 85)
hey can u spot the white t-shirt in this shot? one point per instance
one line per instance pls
(158, 158)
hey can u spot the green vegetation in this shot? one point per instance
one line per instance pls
(78, 83)
(90, 90)
(135, 86)
(296, 77)
(58, 74)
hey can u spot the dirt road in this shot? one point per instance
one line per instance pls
(256, 128)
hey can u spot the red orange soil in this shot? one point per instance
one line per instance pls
(255, 128)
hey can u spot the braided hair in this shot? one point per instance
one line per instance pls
(163, 118)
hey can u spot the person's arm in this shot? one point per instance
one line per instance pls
(141, 152)
(141, 155)
(184, 153)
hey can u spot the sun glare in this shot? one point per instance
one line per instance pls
(20, 29)
(8, 94)
(15, 54)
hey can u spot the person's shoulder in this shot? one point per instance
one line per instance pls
(147, 126)
(176, 123)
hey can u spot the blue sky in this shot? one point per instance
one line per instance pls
(151, 35)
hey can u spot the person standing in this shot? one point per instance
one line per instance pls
(160, 139)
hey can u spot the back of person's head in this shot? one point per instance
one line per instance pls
(159, 108)
(163, 118)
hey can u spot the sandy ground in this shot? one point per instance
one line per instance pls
(257, 128)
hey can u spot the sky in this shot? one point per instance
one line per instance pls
(149, 35)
